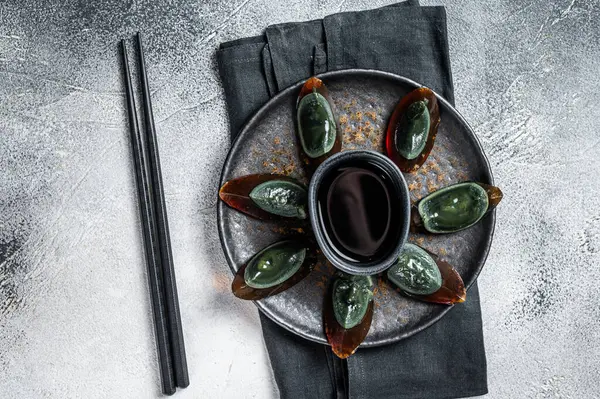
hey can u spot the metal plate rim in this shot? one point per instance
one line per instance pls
(365, 73)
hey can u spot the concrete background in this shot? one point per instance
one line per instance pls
(75, 318)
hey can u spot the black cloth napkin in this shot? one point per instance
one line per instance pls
(447, 360)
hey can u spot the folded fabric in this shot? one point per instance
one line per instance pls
(447, 360)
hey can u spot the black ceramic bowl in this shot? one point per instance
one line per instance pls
(400, 199)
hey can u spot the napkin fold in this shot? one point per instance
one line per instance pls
(447, 360)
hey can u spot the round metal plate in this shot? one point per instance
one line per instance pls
(363, 102)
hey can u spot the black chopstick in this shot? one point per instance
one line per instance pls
(151, 242)
(164, 239)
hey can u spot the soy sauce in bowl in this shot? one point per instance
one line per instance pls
(357, 212)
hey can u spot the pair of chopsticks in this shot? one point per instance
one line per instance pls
(157, 242)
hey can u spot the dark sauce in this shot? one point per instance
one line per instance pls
(359, 212)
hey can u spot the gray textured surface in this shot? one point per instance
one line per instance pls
(74, 311)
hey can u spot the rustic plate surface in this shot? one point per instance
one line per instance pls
(363, 102)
